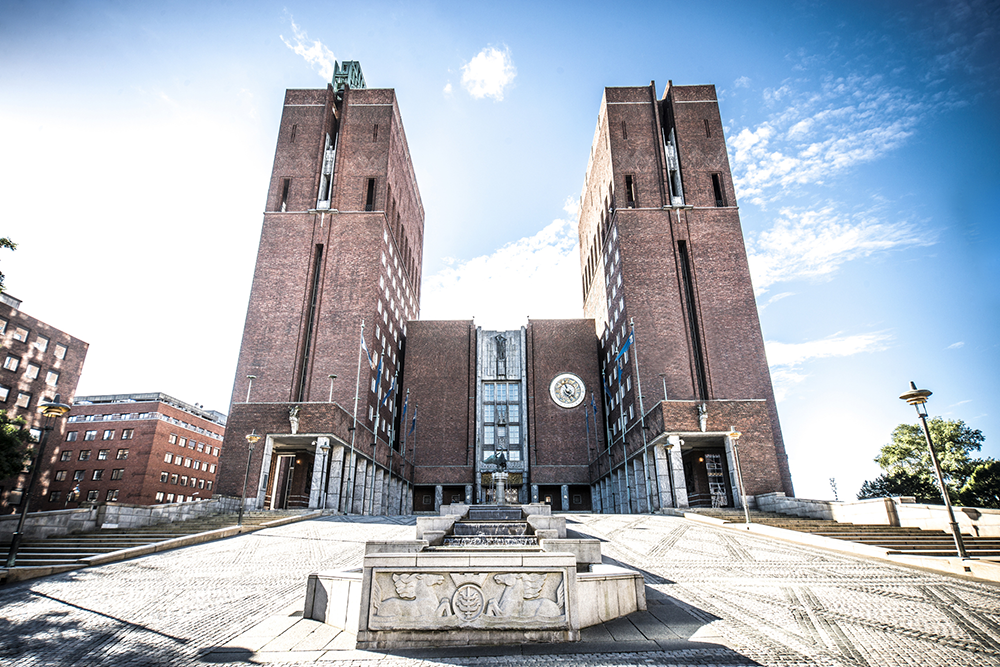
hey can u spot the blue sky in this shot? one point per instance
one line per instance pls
(138, 138)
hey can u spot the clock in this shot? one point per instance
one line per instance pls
(567, 390)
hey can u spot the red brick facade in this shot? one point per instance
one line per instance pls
(38, 362)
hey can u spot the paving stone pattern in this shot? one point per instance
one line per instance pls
(716, 598)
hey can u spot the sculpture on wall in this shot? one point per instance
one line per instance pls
(293, 419)
(521, 597)
(416, 598)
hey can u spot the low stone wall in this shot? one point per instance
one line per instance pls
(112, 515)
(608, 592)
(898, 511)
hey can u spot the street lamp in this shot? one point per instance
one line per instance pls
(734, 435)
(252, 439)
(918, 399)
(51, 410)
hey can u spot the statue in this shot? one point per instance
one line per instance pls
(293, 419)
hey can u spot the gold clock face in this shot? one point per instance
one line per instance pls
(567, 390)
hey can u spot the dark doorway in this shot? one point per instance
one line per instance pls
(706, 472)
(551, 495)
(452, 494)
(423, 499)
(579, 498)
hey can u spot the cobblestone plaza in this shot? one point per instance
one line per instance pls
(716, 596)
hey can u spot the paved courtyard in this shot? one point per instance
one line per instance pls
(717, 597)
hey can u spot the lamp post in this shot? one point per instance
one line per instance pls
(918, 399)
(252, 439)
(734, 435)
(251, 378)
(51, 409)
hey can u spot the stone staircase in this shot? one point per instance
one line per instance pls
(897, 540)
(75, 548)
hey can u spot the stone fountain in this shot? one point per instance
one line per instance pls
(501, 574)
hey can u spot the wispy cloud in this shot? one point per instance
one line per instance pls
(955, 346)
(786, 359)
(502, 289)
(489, 73)
(776, 298)
(314, 52)
(815, 134)
(813, 244)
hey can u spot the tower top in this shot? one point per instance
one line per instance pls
(348, 73)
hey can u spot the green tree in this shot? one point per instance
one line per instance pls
(983, 487)
(14, 441)
(954, 442)
(901, 484)
(5, 242)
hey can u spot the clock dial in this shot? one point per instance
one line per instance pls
(567, 390)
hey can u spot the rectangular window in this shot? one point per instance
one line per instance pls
(159, 496)
(514, 412)
(197, 465)
(60, 351)
(708, 129)
(42, 343)
(624, 130)
(183, 442)
(11, 363)
(122, 454)
(291, 136)
(71, 436)
(52, 378)
(168, 458)
(109, 434)
(127, 433)
(92, 496)
(629, 192)
(54, 496)
(66, 456)
(286, 184)
(32, 372)
(375, 133)
(102, 454)
(84, 455)
(514, 455)
(164, 476)
(173, 478)
(3, 326)
(170, 497)
(201, 447)
(370, 195)
(184, 480)
(720, 200)
(201, 484)
(117, 473)
(514, 433)
(78, 475)
(187, 463)
(488, 435)
(211, 468)
(98, 474)
(21, 334)
(172, 439)
(487, 413)
(15, 496)
(208, 486)
(4, 393)
(60, 475)
(90, 435)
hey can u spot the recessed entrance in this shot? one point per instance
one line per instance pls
(706, 472)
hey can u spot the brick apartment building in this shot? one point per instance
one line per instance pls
(39, 362)
(367, 409)
(139, 449)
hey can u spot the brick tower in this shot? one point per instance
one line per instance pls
(662, 255)
(341, 245)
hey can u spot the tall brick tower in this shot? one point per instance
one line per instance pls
(662, 254)
(341, 244)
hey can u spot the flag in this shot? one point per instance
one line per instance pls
(593, 404)
(402, 417)
(628, 343)
(392, 387)
(413, 424)
(378, 371)
(586, 420)
(368, 354)
(607, 390)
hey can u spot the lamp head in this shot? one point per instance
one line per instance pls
(733, 433)
(252, 438)
(54, 408)
(917, 398)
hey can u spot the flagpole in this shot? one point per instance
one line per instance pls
(392, 427)
(402, 453)
(354, 429)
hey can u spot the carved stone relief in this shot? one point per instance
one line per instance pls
(425, 600)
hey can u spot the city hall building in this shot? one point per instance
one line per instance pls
(363, 407)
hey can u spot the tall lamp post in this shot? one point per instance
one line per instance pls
(734, 435)
(918, 399)
(51, 410)
(252, 439)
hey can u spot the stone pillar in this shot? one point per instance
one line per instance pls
(680, 482)
(347, 483)
(500, 478)
(438, 497)
(316, 479)
(534, 493)
(639, 475)
(595, 498)
(564, 492)
(468, 494)
(335, 470)
(358, 497)
(661, 471)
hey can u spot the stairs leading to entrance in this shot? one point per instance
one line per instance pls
(72, 549)
(897, 540)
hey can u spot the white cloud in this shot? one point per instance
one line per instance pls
(314, 52)
(814, 243)
(955, 346)
(503, 288)
(489, 73)
(447, 88)
(814, 135)
(742, 82)
(777, 297)
(785, 359)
